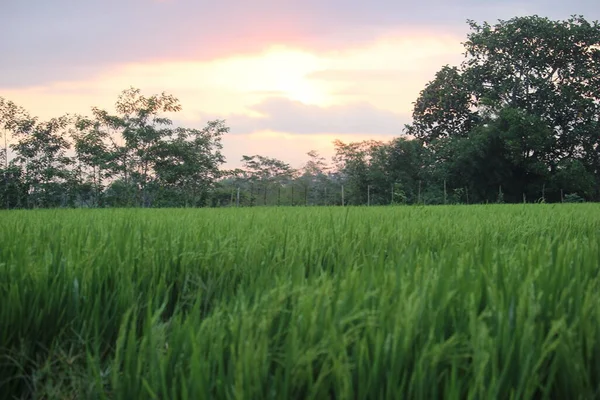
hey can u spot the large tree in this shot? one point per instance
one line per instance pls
(444, 108)
(529, 86)
(550, 69)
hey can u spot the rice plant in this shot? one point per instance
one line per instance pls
(456, 302)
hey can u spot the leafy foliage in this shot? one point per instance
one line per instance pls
(523, 107)
(132, 158)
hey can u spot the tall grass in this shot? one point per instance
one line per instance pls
(450, 302)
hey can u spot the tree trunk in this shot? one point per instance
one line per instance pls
(306, 195)
(445, 193)
(6, 169)
(265, 196)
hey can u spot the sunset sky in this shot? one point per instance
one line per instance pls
(287, 76)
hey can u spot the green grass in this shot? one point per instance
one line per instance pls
(453, 302)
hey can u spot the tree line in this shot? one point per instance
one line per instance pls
(518, 120)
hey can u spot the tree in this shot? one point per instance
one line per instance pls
(315, 180)
(266, 171)
(572, 177)
(142, 128)
(189, 163)
(93, 152)
(42, 153)
(506, 153)
(139, 148)
(444, 108)
(354, 162)
(14, 120)
(124, 145)
(550, 69)
(540, 76)
(406, 166)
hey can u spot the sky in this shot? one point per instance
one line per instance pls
(286, 76)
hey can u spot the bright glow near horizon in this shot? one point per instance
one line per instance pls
(387, 74)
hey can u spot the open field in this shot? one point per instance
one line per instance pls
(477, 302)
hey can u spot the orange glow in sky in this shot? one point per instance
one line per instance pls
(386, 74)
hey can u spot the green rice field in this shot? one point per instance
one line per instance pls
(406, 302)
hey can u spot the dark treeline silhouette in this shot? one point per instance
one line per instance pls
(518, 120)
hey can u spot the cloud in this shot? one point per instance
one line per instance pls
(388, 75)
(43, 41)
(293, 117)
(349, 75)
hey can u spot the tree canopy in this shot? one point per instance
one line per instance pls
(521, 110)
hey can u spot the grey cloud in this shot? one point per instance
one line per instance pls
(283, 115)
(42, 41)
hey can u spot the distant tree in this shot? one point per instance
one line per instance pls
(94, 147)
(14, 121)
(404, 166)
(266, 172)
(42, 153)
(314, 179)
(354, 161)
(189, 163)
(140, 148)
